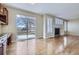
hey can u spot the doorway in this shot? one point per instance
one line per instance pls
(26, 27)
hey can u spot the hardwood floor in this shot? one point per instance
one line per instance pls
(65, 45)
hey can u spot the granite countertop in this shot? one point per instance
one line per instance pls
(3, 37)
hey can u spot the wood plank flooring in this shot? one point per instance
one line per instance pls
(66, 45)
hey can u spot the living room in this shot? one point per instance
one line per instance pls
(42, 26)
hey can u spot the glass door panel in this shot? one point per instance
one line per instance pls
(25, 27)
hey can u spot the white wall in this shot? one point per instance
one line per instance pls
(73, 27)
(11, 27)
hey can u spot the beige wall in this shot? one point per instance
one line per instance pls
(11, 27)
(73, 27)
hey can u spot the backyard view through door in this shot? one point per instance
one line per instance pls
(26, 27)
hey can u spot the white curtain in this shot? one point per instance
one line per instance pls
(49, 25)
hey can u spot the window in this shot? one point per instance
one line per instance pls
(58, 21)
(24, 23)
(49, 25)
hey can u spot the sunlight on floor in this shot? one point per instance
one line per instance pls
(24, 37)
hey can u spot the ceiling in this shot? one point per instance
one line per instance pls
(64, 10)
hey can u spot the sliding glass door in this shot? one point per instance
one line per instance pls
(26, 27)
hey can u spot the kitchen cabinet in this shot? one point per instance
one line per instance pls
(3, 15)
(1, 49)
(4, 42)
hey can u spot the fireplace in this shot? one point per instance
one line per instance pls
(57, 31)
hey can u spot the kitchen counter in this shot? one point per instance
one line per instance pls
(4, 39)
